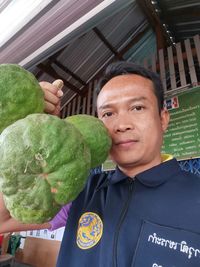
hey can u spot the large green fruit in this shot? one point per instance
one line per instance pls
(20, 94)
(44, 164)
(95, 134)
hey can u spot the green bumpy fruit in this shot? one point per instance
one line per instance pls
(44, 164)
(95, 134)
(20, 94)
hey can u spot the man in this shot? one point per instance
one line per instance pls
(146, 212)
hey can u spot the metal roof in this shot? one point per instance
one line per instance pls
(75, 40)
(88, 54)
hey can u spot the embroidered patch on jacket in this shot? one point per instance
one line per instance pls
(90, 229)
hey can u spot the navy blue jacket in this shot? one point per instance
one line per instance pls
(151, 221)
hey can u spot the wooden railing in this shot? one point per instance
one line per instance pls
(82, 105)
(178, 66)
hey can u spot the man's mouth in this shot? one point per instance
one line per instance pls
(125, 142)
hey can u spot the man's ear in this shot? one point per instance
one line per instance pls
(165, 117)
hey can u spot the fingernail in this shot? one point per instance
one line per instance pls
(60, 93)
(58, 83)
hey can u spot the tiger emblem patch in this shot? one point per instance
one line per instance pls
(90, 229)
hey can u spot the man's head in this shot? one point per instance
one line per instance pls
(122, 68)
(130, 105)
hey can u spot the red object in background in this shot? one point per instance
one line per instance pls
(1, 239)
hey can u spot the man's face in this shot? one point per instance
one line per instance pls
(128, 107)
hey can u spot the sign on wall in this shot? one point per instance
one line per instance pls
(45, 234)
(182, 139)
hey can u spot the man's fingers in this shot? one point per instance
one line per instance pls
(52, 109)
(54, 88)
(48, 86)
(59, 84)
(59, 93)
(57, 110)
(50, 97)
(49, 108)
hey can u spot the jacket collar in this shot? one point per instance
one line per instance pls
(153, 177)
(159, 174)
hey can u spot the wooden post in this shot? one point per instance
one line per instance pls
(162, 69)
(73, 106)
(89, 98)
(94, 98)
(197, 46)
(190, 60)
(180, 64)
(63, 112)
(171, 67)
(84, 105)
(69, 109)
(153, 63)
(78, 105)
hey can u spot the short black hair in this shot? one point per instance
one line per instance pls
(123, 67)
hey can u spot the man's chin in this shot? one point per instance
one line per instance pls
(127, 164)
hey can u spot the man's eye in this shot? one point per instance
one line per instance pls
(107, 114)
(138, 108)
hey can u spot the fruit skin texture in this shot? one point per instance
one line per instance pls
(95, 134)
(44, 164)
(20, 94)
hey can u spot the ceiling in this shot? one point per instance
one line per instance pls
(181, 17)
(74, 40)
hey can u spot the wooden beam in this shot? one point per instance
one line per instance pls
(182, 13)
(162, 37)
(38, 74)
(67, 70)
(135, 40)
(59, 52)
(48, 69)
(107, 43)
(121, 52)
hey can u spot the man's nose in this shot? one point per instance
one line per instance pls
(123, 124)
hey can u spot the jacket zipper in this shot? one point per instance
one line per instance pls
(121, 219)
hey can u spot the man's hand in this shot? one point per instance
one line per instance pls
(52, 95)
(5, 215)
(9, 224)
